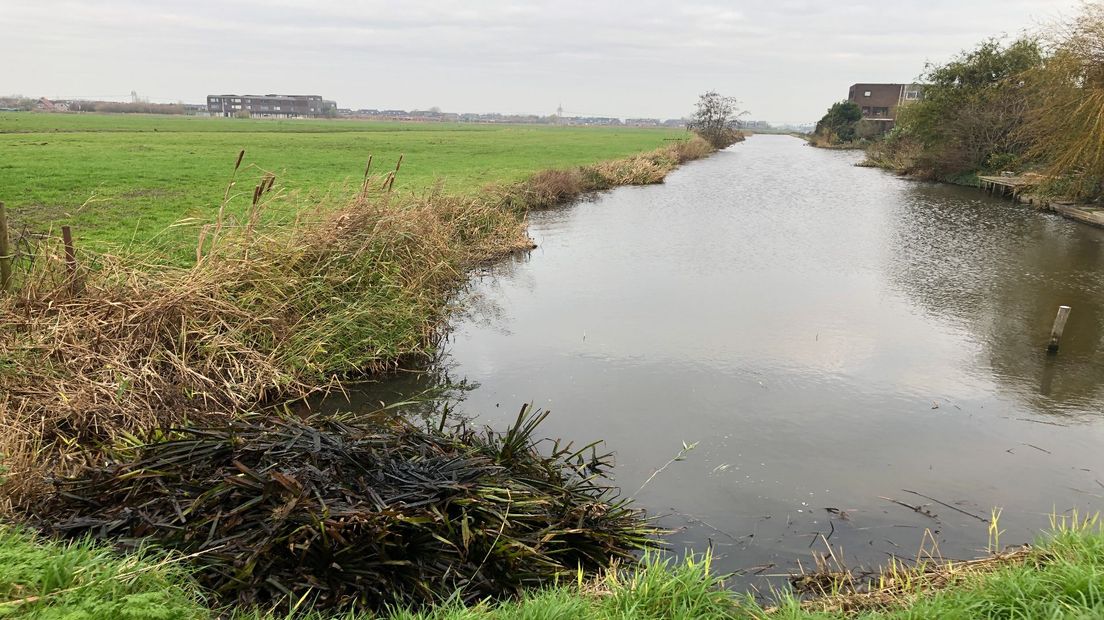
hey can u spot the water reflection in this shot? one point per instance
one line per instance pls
(1001, 271)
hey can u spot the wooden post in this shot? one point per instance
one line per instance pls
(5, 252)
(70, 257)
(1059, 327)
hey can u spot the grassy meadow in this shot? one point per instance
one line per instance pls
(122, 178)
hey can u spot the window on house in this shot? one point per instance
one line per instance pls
(866, 94)
(912, 94)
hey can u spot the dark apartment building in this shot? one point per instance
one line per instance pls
(268, 106)
(879, 102)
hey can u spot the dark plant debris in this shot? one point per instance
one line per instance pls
(357, 514)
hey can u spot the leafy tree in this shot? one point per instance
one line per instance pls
(972, 110)
(839, 123)
(715, 119)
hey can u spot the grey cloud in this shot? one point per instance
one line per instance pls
(786, 59)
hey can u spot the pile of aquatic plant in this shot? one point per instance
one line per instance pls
(357, 514)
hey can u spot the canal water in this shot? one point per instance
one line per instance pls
(833, 339)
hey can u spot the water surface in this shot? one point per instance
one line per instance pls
(830, 336)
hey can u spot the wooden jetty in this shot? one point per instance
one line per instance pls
(1012, 185)
(1015, 187)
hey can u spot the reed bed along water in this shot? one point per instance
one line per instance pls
(272, 308)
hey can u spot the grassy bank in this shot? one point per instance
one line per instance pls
(1061, 577)
(140, 360)
(119, 179)
(278, 299)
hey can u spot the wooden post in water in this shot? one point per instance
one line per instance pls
(1059, 327)
(5, 252)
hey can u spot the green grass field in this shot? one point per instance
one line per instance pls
(118, 178)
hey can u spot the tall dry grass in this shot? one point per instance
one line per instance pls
(268, 311)
(552, 188)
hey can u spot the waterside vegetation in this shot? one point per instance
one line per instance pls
(1062, 576)
(274, 306)
(1032, 105)
(843, 127)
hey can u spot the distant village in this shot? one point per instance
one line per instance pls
(315, 106)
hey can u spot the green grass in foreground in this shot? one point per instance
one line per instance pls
(118, 178)
(1064, 579)
(50, 581)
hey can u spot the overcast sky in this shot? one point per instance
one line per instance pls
(786, 60)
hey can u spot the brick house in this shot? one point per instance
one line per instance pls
(879, 102)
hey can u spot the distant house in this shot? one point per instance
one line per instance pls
(879, 102)
(196, 109)
(268, 106)
(44, 104)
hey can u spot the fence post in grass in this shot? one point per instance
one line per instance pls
(5, 252)
(1059, 327)
(70, 258)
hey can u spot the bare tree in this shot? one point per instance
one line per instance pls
(716, 119)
